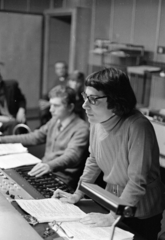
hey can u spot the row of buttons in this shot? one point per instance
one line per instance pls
(9, 188)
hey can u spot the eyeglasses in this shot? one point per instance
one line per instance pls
(55, 227)
(92, 99)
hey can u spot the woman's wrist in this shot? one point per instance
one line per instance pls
(113, 215)
(78, 194)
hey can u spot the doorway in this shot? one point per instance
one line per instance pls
(66, 38)
(59, 43)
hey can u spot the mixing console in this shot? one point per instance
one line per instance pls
(17, 184)
(11, 189)
(44, 183)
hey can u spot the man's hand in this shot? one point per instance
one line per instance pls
(67, 197)
(7, 119)
(43, 104)
(39, 169)
(21, 117)
(98, 220)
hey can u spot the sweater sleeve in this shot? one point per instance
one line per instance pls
(29, 139)
(75, 150)
(143, 156)
(20, 97)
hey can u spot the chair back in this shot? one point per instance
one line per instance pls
(21, 128)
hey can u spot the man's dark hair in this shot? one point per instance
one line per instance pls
(78, 77)
(115, 84)
(67, 94)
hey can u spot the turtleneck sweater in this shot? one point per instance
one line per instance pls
(126, 150)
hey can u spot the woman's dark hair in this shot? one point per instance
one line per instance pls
(67, 94)
(115, 84)
(78, 77)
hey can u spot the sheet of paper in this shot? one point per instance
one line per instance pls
(47, 210)
(16, 160)
(83, 232)
(11, 148)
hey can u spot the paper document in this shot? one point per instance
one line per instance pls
(11, 148)
(16, 160)
(80, 231)
(47, 210)
(68, 216)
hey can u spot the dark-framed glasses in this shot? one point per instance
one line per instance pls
(92, 99)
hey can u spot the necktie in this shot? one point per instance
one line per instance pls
(59, 125)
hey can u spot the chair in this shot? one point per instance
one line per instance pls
(162, 236)
(21, 128)
(37, 150)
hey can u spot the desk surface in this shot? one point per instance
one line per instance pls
(141, 69)
(90, 206)
(13, 225)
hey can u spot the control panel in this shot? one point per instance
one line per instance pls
(11, 189)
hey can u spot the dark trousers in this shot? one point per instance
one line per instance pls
(7, 128)
(147, 228)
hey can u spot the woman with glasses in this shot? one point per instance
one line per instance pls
(124, 147)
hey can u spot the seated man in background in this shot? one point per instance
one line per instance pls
(61, 73)
(12, 106)
(76, 81)
(66, 137)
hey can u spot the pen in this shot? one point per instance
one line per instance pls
(62, 229)
(58, 225)
(50, 189)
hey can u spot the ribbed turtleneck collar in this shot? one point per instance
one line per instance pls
(109, 124)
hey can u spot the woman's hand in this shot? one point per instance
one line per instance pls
(67, 197)
(98, 220)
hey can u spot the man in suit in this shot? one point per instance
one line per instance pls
(66, 137)
(12, 105)
(61, 73)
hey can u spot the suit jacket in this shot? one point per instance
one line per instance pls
(14, 97)
(65, 151)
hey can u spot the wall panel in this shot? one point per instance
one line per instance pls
(20, 51)
(146, 23)
(15, 5)
(161, 37)
(39, 5)
(102, 19)
(122, 21)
